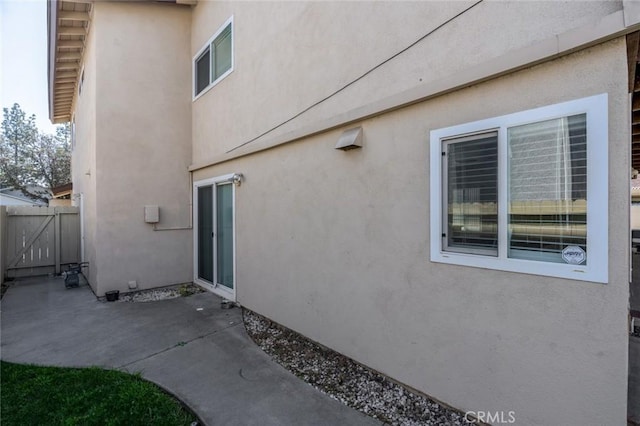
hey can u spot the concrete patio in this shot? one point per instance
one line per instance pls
(189, 346)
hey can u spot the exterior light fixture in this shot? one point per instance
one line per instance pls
(236, 179)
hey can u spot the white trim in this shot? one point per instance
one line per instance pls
(596, 108)
(201, 51)
(220, 290)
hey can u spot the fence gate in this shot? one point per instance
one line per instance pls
(39, 240)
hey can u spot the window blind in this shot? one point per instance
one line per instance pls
(222, 53)
(202, 71)
(547, 175)
(471, 189)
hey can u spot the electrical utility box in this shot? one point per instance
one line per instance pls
(151, 214)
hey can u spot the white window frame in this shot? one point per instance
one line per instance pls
(73, 132)
(81, 82)
(208, 45)
(596, 269)
(220, 290)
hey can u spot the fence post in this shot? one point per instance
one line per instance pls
(58, 239)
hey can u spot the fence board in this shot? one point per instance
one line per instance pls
(38, 240)
(70, 238)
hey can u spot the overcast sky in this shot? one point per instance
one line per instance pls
(23, 51)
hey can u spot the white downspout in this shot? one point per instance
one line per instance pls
(82, 258)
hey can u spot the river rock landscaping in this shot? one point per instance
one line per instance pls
(164, 293)
(345, 380)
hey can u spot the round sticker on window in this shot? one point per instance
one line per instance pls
(574, 255)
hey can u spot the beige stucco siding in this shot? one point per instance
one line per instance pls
(288, 56)
(336, 246)
(143, 135)
(83, 166)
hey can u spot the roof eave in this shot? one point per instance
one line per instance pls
(68, 27)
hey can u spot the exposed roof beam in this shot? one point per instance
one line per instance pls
(66, 67)
(73, 16)
(72, 31)
(60, 66)
(70, 44)
(67, 74)
(68, 55)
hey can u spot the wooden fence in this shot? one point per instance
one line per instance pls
(38, 240)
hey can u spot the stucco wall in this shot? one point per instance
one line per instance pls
(143, 143)
(336, 246)
(83, 159)
(290, 55)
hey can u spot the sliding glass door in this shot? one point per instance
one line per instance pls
(205, 233)
(214, 242)
(223, 240)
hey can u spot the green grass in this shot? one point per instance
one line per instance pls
(32, 395)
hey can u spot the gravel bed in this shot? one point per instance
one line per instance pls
(164, 293)
(345, 380)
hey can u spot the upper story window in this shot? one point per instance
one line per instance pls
(73, 132)
(525, 192)
(81, 82)
(214, 61)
